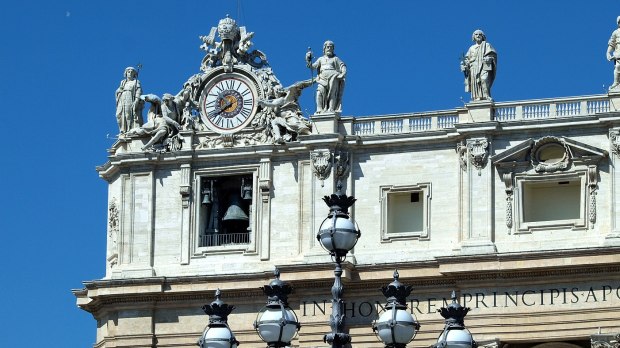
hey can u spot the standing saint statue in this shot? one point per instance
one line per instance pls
(479, 66)
(127, 107)
(330, 78)
(613, 55)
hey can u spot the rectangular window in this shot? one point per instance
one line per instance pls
(551, 201)
(225, 210)
(405, 212)
(558, 200)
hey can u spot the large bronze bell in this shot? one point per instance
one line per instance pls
(234, 211)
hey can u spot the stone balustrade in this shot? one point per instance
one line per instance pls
(501, 112)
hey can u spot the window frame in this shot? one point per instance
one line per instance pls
(254, 233)
(425, 197)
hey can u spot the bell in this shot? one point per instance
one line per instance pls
(234, 211)
(246, 189)
(206, 197)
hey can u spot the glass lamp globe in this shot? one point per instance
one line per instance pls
(338, 234)
(456, 338)
(277, 325)
(218, 337)
(396, 327)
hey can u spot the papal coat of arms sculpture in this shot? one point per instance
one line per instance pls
(236, 99)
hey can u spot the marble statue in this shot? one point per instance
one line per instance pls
(159, 126)
(128, 111)
(613, 55)
(287, 121)
(331, 72)
(479, 66)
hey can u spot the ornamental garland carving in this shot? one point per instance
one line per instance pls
(592, 187)
(461, 151)
(342, 164)
(614, 140)
(507, 178)
(113, 228)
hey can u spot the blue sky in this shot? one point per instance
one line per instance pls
(61, 62)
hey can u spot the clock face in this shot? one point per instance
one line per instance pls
(228, 103)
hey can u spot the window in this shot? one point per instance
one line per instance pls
(548, 201)
(225, 210)
(551, 201)
(405, 212)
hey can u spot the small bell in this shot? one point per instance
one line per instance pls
(246, 189)
(207, 193)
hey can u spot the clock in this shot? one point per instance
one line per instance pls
(228, 103)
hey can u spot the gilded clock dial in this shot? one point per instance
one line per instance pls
(228, 104)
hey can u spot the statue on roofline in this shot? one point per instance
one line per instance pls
(613, 55)
(128, 109)
(479, 66)
(331, 72)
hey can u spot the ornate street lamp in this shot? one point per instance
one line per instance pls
(276, 323)
(218, 334)
(396, 326)
(454, 334)
(338, 234)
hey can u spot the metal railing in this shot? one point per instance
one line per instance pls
(502, 112)
(219, 239)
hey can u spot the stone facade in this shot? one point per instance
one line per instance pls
(515, 206)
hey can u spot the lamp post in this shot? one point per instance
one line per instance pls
(218, 334)
(338, 234)
(396, 327)
(276, 323)
(454, 334)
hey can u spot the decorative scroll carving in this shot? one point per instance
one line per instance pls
(185, 188)
(264, 179)
(614, 140)
(342, 164)
(321, 164)
(550, 154)
(508, 182)
(461, 150)
(113, 229)
(478, 150)
(592, 187)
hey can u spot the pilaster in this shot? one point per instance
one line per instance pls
(477, 197)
